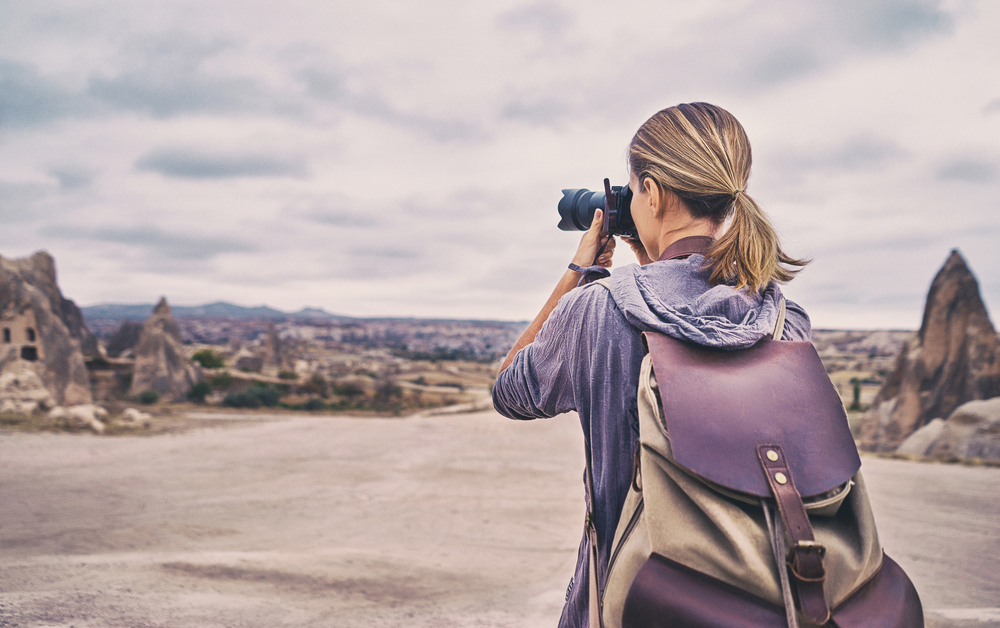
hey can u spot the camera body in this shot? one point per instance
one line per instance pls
(577, 207)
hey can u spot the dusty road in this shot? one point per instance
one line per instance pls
(447, 521)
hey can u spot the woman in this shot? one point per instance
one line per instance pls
(688, 169)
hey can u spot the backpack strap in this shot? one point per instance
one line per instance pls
(805, 555)
(779, 326)
(594, 589)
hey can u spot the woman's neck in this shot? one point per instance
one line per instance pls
(670, 233)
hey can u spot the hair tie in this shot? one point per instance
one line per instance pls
(736, 192)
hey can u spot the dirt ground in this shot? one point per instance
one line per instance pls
(445, 521)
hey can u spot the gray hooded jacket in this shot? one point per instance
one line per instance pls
(587, 358)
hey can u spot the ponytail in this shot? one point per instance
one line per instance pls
(702, 154)
(749, 253)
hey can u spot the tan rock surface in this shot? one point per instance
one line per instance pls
(972, 431)
(954, 358)
(29, 292)
(160, 361)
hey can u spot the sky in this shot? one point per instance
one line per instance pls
(394, 158)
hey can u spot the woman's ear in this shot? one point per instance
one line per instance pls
(656, 195)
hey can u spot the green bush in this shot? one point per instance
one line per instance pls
(348, 389)
(315, 385)
(199, 391)
(148, 397)
(241, 400)
(265, 393)
(287, 375)
(387, 392)
(222, 381)
(209, 359)
(314, 403)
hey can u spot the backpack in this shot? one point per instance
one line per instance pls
(747, 506)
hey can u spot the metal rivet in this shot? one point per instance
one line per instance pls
(772, 455)
(780, 478)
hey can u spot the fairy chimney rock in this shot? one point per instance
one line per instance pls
(43, 337)
(272, 346)
(952, 360)
(160, 362)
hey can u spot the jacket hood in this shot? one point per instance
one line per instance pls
(674, 297)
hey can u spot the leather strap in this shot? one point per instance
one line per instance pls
(687, 246)
(805, 555)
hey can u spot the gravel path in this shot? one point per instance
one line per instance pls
(444, 521)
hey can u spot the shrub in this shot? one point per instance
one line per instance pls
(199, 391)
(856, 404)
(241, 400)
(209, 359)
(148, 397)
(388, 391)
(348, 389)
(222, 381)
(266, 394)
(314, 403)
(287, 375)
(316, 385)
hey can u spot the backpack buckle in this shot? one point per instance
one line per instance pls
(807, 546)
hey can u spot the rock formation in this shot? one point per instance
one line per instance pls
(43, 333)
(22, 392)
(248, 362)
(951, 360)
(124, 338)
(972, 431)
(160, 362)
(272, 347)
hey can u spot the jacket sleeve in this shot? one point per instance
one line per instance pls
(539, 382)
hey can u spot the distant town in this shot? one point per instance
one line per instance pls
(339, 348)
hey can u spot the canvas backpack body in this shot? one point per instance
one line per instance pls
(747, 505)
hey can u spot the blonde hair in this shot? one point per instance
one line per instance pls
(701, 153)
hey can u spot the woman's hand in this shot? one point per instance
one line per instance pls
(591, 243)
(639, 250)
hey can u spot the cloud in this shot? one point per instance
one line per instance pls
(27, 99)
(337, 210)
(176, 246)
(811, 38)
(72, 177)
(992, 107)
(165, 96)
(780, 64)
(541, 112)
(193, 164)
(331, 87)
(18, 200)
(969, 171)
(856, 154)
(165, 75)
(891, 24)
(546, 18)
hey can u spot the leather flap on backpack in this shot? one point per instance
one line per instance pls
(720, 405)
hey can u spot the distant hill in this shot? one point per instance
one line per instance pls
(221, 309)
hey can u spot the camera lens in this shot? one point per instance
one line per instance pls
(577, 207)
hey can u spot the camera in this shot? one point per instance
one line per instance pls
(577, 207)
